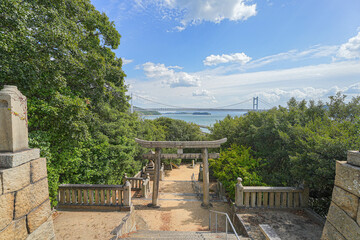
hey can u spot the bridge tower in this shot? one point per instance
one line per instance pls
(255, 103)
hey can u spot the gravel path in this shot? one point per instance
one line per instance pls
(180, 208)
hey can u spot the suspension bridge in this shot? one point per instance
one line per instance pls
(163, 107)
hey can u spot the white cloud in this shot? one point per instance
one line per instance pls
(169, 77)
(126, 61)
(197, 11)
(201, 93)
(204, 94)
(281, 96)
(212, 60)
(295, 55)
(351, 49)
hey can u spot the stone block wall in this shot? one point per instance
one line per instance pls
(25, 211)
(343, 219)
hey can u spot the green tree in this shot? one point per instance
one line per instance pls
(234, 162)
(59, 54)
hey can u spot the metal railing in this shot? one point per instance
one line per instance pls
(227, 220)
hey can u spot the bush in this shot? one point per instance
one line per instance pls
(236, 161)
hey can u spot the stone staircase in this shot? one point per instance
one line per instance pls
(148, 234)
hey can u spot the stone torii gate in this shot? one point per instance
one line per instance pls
(180, 145)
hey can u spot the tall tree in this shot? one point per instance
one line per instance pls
(59, 54)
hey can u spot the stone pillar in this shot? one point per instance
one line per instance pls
(180, 151)
(206, 197)
(125, 178)
(239, 193)
(343, 218)
(127, 194)
(156, 185)
(25, 211)
(162, 172)
(13, 120)
(193, 164)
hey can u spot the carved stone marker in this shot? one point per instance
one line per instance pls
(13, 120)
(25, 211)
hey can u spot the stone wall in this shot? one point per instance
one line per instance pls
(25, 211)
(343, 219)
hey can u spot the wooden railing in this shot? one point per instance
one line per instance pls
(270, 197)
(139, 183)
(95, 196)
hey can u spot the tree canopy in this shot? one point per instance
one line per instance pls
(297, 144)
(59, 54)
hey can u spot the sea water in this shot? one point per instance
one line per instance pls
(203, 120)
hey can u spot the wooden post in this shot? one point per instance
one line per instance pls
(239, 193)
(156, 186)
(127, 194)
(206, 197)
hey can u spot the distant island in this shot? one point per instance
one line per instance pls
(190, 113)
(142, 111)
(201, 113)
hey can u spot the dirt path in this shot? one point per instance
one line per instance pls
(180, 208)
(86, 225)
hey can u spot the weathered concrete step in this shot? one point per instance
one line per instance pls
(147, 234)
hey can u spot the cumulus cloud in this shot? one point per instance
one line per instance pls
(201, 93)
(126, 61)
(281, 96)
(204, 94)
(212, 60)
(351, 49)
(169, 77)
(197, 11)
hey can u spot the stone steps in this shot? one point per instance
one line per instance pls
(148, 234)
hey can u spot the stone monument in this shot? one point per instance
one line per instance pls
(25, 211)
(343, 218)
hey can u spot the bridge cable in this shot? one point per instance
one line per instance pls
(266, 103)
(234, 104)
(172, 106)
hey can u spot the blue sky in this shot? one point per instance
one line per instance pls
(210, 53)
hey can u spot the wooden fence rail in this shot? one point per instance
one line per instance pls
(95, 196)
(270, 197)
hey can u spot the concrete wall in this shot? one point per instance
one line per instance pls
(343, 219)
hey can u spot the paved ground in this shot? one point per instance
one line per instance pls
(180, 211)
(291, 224)
(180, 208)
(86, 225)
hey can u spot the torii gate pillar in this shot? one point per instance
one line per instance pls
(206, 198)
(156, 183)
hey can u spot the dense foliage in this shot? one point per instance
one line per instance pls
(236, 161)
(299, 143)
(59, 54)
